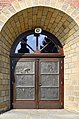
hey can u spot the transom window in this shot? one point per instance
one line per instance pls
(36, 44)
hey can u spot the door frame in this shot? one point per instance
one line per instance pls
(13, 55)
(35, 56)
(61, 83)
(19, 103)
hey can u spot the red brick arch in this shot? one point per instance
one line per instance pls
(5, 3)
(74, 3)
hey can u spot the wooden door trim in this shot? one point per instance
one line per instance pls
(37, 85)
(40, 55)
(47, 60)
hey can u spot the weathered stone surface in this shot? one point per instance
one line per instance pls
(49, 19)
(40, 114)
(74, 3)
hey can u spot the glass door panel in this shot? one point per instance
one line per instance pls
(25, 80)
(49, 93)
(49, 67)
(25, 67)
(49, 80)
(25, 93)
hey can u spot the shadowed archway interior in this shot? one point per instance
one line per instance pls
(37, 71)
(55, 22)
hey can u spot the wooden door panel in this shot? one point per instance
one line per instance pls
(49, 105)
(49, 80)
(24, 104)
(38, 83)
(24, 86)
(50, 83)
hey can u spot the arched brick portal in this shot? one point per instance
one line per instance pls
(55, 22)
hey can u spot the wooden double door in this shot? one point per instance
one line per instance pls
(38, 83)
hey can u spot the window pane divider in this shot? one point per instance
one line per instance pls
(23, 74)
(49, 73)
(25, 99)
(49, 86)
(45, 45)
(29, 46)
(25, 86)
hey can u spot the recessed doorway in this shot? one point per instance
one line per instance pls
(37, 72)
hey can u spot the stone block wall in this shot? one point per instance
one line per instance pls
(10, 7)
(4, 76)
(64, 27)
(71, 50)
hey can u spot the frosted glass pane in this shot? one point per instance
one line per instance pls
(50, 67)
(49, 93)
(25, 80)
(25, 93)
(49, 80)
(25, 67)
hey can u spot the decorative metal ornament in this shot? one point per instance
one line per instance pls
(38, 30)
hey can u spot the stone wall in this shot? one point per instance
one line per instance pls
(10, 7)
(71, 51)
(4, 75)
(64, 27)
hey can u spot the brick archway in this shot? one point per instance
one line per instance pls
(9, 8)
(55, 22)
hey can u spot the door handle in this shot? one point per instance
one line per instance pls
(40, 84)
